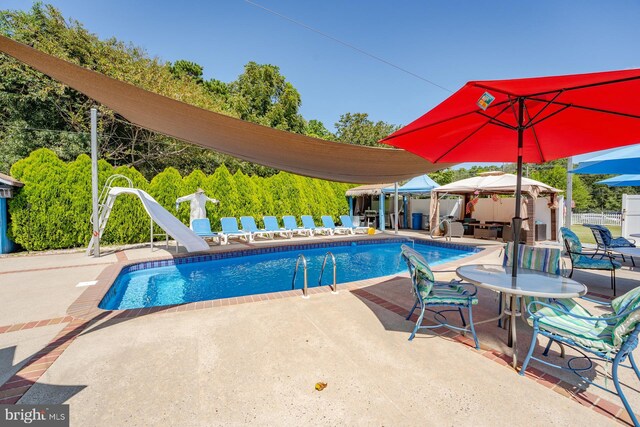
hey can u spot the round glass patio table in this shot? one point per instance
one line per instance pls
(531, 283)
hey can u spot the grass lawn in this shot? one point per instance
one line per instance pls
(585, 234)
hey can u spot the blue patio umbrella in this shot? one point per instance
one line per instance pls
(623, 161)
(622, 181)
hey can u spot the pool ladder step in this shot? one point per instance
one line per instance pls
(334, 288)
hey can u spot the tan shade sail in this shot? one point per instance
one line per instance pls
(248, 141)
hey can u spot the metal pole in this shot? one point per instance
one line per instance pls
(94, 182)
(395, 204)
(568, 201)
(517, 221)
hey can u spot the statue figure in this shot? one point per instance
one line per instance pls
(198, 201)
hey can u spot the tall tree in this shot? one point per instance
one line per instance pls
(357, 128)
(262, 95)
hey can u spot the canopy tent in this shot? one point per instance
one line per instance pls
(497, 182)
(622, 181)
(624, 160)
(419, 185)
(248, 141)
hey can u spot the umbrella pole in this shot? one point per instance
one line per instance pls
(516, 221)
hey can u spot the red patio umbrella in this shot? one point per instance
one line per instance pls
(532, 120)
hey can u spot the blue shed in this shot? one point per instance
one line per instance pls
(8, 186)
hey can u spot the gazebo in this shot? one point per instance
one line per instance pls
(496, 184)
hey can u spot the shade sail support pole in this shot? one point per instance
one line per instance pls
(395, 206)
(95, 216)
(517, 220)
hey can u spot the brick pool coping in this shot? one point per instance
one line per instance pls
(86, 305)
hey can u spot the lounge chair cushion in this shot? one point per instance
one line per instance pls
(582, 261)
(626, 324)
(546, 260)
(607, 238)
(595, 335)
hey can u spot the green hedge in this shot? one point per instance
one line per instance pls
(53, 209)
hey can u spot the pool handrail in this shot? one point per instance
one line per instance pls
(334, 288)
(295, 274)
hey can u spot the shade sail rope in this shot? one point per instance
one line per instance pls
(266, 146)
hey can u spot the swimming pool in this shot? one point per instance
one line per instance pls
(263, 270)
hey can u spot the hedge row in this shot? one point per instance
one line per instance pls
(53, 208)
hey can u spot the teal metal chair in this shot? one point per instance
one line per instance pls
(581, 260)
(453, 296)
(606, 242)
(608, 338)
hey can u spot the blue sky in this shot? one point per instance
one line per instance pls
(446, 42)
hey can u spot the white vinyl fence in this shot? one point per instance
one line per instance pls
(597, 218)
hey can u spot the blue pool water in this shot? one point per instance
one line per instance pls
(203, 278)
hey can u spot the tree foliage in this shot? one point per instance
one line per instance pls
(53, 208)
(357, 128)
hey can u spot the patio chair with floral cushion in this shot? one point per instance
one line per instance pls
(546, 260)
(609, 338)
(581, 259)
(606, 242)
(454, 296)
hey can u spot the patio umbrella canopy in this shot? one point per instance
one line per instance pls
(622, 181)
(625, 160)
(528, 120)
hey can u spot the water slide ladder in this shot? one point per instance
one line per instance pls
(104, 207)
(301, 257)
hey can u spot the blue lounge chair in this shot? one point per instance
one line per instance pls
(453, 296)
(581, 260)
(230, 229)
(291, 225)
(249, 225)
(328, 223)
(610, 338)
(308, 223)
(202, 227)
(348, 223)
(606, 242)
(271, 224)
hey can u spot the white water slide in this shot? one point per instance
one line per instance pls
(169, 223)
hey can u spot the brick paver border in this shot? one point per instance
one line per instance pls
(599, 404)
(16, 386)
(34, 324)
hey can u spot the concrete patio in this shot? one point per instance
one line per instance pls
(258, 361)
